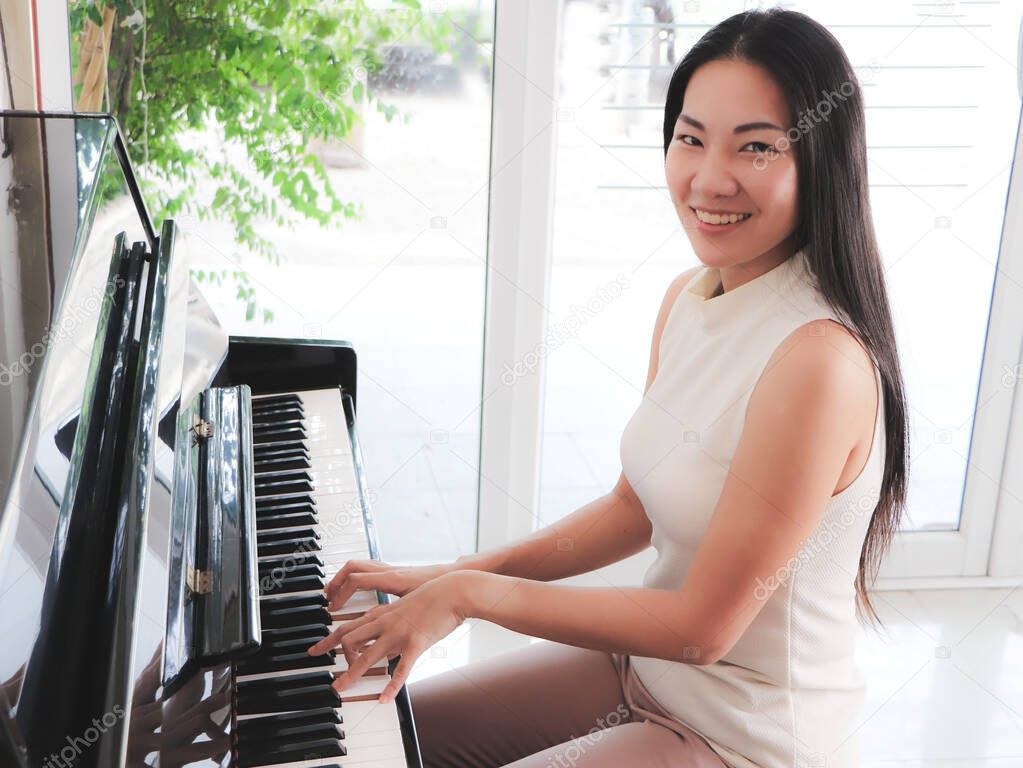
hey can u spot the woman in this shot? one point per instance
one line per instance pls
(766, 464)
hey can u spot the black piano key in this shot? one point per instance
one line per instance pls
(275, 399)
(261, 450)
(269, 522)
(279, 435)
(281, 465)
(296, 609)
(290, 733)
(283, 486)
(291, 533)
(288, 563)
(268, 417)
(265, 478)
(300, 615)
(276, 506)
(270, 412)
(298, 601)
(279, 439)
(283, 662)
(272, 515)
(284, 506)
(254, 728)
(269, 753)
(286, 644)
(287, 693)
(277, 425)
(287, 546)
(291, 584)
(302, 630)
(294, 570)
(267, 455)
(266, 412)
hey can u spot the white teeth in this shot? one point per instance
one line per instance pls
(714, 218)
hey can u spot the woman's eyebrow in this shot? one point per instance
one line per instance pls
(738, 129)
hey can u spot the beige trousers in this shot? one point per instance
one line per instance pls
(549, 705)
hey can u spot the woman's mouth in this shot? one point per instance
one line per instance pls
(718, 222)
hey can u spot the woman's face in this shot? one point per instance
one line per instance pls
(724, 158)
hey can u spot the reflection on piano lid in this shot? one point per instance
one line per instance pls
(173, 499)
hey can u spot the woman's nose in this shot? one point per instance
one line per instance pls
(713, 179)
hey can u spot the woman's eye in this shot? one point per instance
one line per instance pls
(762, 148)
(683, 136)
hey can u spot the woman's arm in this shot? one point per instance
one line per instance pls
(636, 620)
(604, 531)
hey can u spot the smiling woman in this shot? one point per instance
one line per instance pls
(766, 464)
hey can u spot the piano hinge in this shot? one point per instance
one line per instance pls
(202, 431)
(199, 582)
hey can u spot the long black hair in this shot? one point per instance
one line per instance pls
(835, 224)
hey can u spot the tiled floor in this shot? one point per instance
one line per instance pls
(945, 686)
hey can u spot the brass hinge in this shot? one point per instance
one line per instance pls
(199, 582)
(203, 430)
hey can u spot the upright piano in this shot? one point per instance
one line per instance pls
(173, 498)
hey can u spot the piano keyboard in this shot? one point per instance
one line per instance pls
(309, 522)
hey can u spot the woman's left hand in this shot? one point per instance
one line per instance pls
(406, 627)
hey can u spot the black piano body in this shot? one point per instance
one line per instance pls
(147, 458)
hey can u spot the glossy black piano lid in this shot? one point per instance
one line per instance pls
(68, 195)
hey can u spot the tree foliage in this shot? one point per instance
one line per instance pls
(219, 99)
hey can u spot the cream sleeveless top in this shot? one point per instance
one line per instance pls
(789, 693)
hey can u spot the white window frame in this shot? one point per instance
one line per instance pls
(987, 542)
(518, 274)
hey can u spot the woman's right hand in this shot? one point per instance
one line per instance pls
(392, 579)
